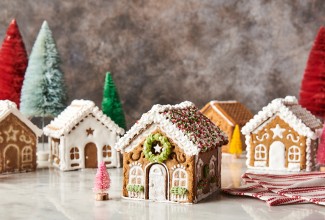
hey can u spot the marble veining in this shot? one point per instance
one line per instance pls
(53, 194)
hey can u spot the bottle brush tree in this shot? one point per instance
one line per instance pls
(312, 91)
(102, 182)
(43, 91)
(235, 147)
(111, 104)
(13, 63)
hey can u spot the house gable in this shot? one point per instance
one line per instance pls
(272, 130)
(13, 130)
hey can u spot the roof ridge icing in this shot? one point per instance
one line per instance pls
(280, 106)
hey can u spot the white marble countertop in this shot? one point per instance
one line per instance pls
(52, 194)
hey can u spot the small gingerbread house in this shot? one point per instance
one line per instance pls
(82, 137)
(282, 136)
(18, 140)
(226, 115)
(173, 153)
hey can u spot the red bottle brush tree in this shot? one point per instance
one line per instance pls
(312, 92)
(102, 182)
(321, 152)
(13, 64)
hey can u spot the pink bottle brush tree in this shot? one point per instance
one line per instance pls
(102, 183)
(321, 151)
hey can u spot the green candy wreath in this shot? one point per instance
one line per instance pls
(166, 150)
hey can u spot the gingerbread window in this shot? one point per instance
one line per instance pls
(180, 178)
(27, 154)
(294, 154)
(74, 153)
(107, 151)
(136, 176)
(260, 152)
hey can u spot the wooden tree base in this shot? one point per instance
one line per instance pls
(102, 196)
(322, 168)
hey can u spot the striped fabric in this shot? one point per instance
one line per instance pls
(283, 189)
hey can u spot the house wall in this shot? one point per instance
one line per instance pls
(264, 135)
(102, 136)
(213, 178)
(177, 157)
(14, 137)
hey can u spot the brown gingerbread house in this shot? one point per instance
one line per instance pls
(226, 115)
(18, 140)
(173, 153)
(282, 136)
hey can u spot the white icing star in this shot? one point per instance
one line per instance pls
(277, 131)
(157, 148)
(11, 134)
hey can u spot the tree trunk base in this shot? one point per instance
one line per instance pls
(102, 196)
(322, 168)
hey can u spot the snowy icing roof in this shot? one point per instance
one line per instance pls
(72, 115)
(184, 123)
(233, 112)
(291, 112)
(8, 107)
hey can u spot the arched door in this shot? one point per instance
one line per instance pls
(157, 182)
(90, 155)
(277, 156)
(11, 160)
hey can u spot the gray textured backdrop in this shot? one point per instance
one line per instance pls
(169, 51)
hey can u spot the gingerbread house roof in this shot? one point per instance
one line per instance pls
(233, 112)
(72, 115)
(291, 112)
(8, 107)
(184, 123)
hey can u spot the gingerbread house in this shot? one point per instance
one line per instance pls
(282, 136)
(82, 137)
(173, 153)
(226, 115)
(18, 140)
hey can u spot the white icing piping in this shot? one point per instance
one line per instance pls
(284, 113)
(7, 107)
(154, 116)
(220, 113)
(70, 117)
(248, 148)
(309, 163)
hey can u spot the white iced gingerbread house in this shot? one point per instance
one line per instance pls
(283, 136)
(173, 153)
(18, 140)
(82, 136)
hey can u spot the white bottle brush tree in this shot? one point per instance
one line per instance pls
(43, 92)
(102, 183)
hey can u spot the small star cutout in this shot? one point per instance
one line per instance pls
(90, 131)
(11, 134)
(277, 131)
(157, 148)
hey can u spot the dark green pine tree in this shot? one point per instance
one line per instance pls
(111, 103)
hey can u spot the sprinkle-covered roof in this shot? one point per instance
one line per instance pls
(184, 123)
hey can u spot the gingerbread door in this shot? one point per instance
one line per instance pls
(277, 155)
(157, 182)
(11, 158)
(90, 155)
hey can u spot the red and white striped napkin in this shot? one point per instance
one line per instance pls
(283, 189)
